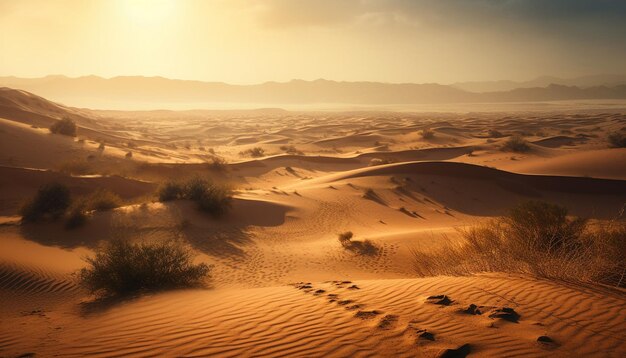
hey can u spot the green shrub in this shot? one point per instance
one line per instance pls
(121, 267)
(51, 201)
(64, 126)
(515, 144)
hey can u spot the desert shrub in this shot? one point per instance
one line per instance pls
(365, 247)
(345, 237)
(535, 238)
(515, 144)
(121, 267)
(209, 197)
(51, 200)
(102, 200)
(255, 152)
(290, 149)
(427, 133)
(77, 215)
(64, 126)
(617, 140)
(170, 191)
(217, 163)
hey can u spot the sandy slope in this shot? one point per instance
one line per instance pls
(322, 173)
(380, 318)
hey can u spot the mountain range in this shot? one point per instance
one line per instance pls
(89, 91)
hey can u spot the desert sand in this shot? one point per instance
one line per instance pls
(281, 284)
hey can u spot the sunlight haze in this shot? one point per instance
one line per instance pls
(247, 41)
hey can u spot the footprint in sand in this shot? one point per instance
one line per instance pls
(505, 313)
(460, 352)
(354, 307)
(439, 300)
(367, 314)
(420, 333)
(546, 342)
(388, 321)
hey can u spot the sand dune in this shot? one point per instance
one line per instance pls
(278, 285)
(380, 318)
(17, 184)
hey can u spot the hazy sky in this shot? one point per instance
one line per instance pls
(249, 41)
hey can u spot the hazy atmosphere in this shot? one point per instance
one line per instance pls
(291, 178)
(249, 41)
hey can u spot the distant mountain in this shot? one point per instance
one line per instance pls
(158, 92)
(543, 81)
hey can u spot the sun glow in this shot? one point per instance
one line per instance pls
(147, 12)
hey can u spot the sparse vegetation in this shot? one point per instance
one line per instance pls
(290, 149)
(515, 144)
(51, 201)
(170, 190)
(617, 140)
(217, 163)
(64, 126)
(427, 133)
(365, 247)
(102, 200)
(535, 238)
(121, 267)
(255, 152)
(210, 197)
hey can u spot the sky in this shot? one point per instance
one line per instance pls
(253, 41)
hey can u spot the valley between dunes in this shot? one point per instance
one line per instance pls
(281, 283)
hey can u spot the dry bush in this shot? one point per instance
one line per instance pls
(290, 149)
(209, 196)
(170, 190)
(217, 163)
(255, 152)
(365, 247)
(51, 201)
(515, 144)
(535, 238)
(427, 133)
(102, 200)
(64, 126)
(121, 267)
